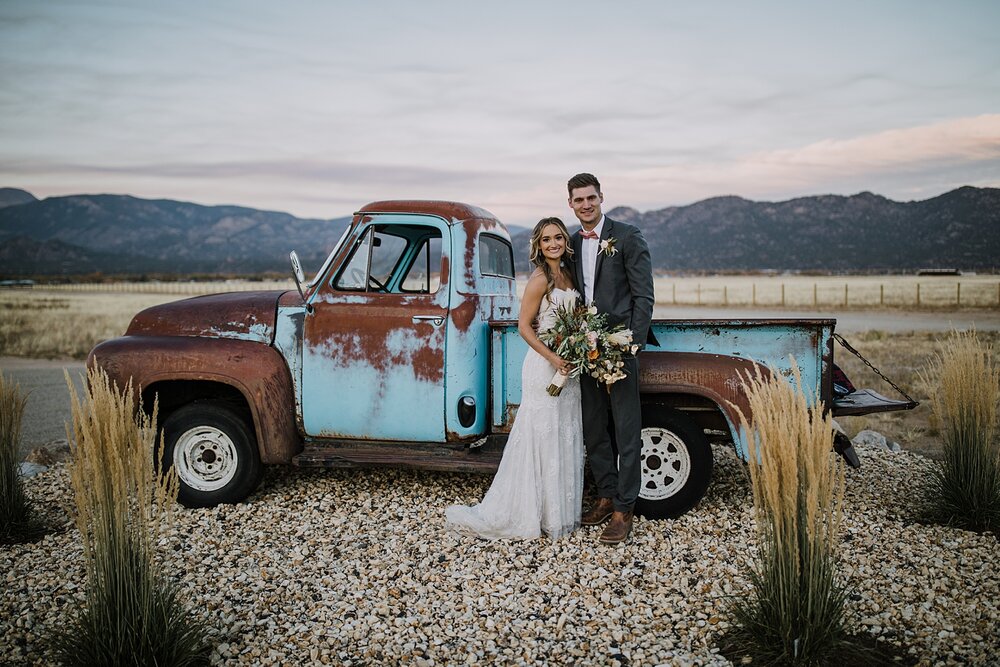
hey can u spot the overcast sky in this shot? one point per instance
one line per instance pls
(318, 107)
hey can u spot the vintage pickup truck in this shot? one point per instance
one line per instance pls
(403, 351)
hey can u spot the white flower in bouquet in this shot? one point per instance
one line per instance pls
(620, 338)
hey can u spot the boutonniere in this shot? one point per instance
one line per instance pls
(607, 246)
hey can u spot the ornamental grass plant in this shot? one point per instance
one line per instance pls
(18, 520)
(965, 488)
(132, 614)
(794, 612)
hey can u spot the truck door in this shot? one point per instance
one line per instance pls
(374, 339)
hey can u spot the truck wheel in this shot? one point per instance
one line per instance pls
(214, 453)
(676, 463)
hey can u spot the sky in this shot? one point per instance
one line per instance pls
(316, 108)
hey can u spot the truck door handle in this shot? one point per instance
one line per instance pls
(436, 320)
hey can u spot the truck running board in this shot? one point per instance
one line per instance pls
(416, 456)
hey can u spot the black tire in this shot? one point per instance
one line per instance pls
(676, 463)
(214, 451)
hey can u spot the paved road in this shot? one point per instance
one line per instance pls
(48, 408)
(48, 398)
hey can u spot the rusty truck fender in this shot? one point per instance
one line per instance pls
(719, 378)
(257, 372)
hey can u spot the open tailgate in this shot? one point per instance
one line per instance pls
(866, 402)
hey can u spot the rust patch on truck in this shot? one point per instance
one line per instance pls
(464, 314)
(449, 210)
(376, 337)
(717, 377)
(445, 270)
(238, 315)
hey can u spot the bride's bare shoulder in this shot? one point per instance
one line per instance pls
(537, 277)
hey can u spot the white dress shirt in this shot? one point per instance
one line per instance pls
(588, 250)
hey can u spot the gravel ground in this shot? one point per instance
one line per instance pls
(355, 568)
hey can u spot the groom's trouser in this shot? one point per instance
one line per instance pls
(618, 480)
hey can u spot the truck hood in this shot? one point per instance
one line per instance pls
(241, 315)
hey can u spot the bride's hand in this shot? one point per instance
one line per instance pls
(560, 364)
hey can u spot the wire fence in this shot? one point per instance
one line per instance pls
(843, 292)
(782, 292)
(188, 288)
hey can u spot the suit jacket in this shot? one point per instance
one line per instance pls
(623, 282)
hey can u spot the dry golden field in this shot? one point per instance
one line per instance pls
(66, 321)
(855, 292)
(902, 357)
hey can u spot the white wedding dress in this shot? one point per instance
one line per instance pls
(539, 484)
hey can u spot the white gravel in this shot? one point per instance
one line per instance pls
(356, 568)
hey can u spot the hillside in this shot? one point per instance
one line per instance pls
(115, 234)
(864, 232)
(14, 196)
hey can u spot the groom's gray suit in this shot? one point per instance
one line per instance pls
(623, 288)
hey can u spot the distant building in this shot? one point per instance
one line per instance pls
(939, 272)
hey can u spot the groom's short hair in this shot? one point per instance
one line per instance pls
(582, 181)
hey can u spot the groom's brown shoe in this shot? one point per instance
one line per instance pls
(618, 529)
(599, 513)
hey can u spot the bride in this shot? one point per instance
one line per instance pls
(539, 484)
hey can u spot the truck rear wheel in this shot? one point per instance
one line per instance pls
(214, 452)
(676, 463)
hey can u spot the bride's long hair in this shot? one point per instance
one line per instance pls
(537, 257)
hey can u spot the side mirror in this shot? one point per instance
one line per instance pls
(297, 274)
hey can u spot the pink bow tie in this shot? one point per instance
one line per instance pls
(588, 235)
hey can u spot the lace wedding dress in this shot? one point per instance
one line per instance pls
(539, 484)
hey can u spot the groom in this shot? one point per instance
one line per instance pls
(614, 270)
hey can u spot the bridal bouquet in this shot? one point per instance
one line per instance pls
(583, 338)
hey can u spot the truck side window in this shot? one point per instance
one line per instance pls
(496, 257)
(424, 274)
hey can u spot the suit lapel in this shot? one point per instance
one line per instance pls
(605, 234)
(578, 260)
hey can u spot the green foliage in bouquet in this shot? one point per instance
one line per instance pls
(582, 337)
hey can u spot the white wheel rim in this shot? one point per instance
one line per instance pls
(666, 464)
(205, 458)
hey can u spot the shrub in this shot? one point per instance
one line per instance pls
(132, 614)
(965, 488)
(794, 613)
(18, 521)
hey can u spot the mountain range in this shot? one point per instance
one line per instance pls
(117, 234)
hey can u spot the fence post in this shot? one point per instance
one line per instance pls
(754, 296)
(815, 290)
(673, 293)
(782, 295)
(845, 295)
(918, 294)
(881, 294)
(958, 294)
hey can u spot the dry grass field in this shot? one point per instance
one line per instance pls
(67, 323)
(48, 324)
(854, 292)
(902, 357)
